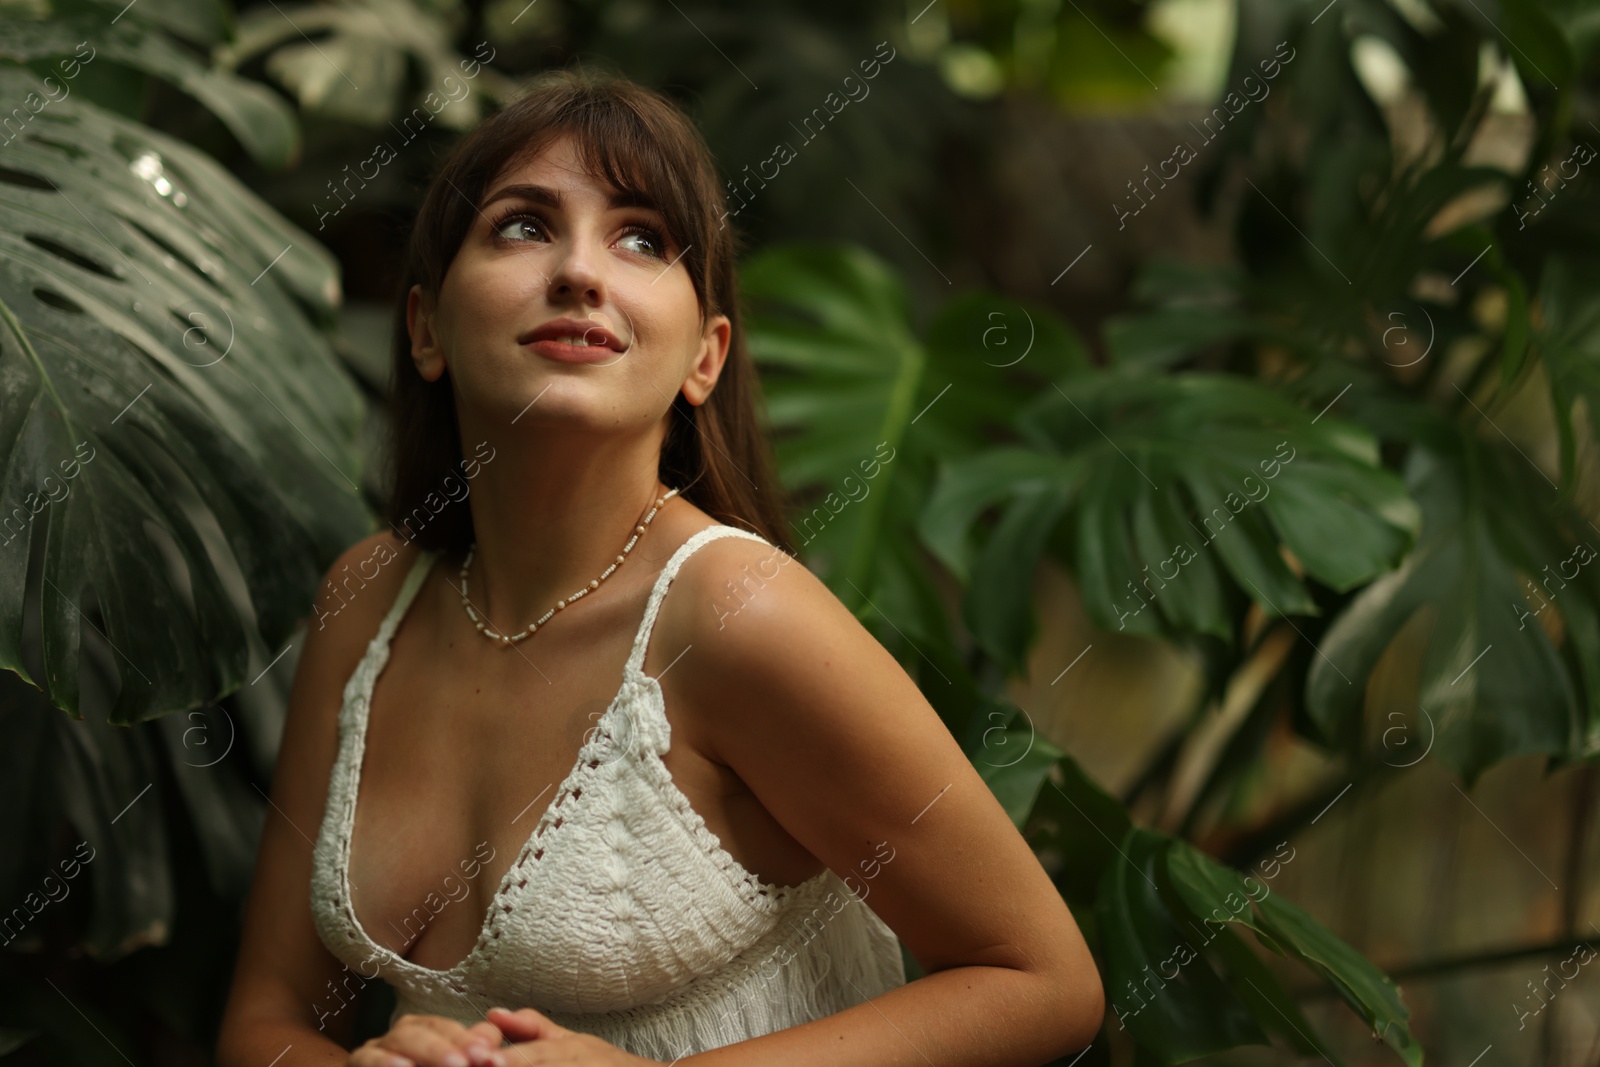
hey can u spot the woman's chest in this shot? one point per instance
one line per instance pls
(461, 767)
(612, 892)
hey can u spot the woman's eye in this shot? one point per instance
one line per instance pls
(646, 241)
(513, 227)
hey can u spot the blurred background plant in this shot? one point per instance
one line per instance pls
(1313, 388)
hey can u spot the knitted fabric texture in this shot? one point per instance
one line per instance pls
(623, 916)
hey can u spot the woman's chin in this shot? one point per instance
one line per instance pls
(575, 407)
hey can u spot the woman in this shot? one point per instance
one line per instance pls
(675, 870)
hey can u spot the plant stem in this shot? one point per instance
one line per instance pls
(1447, 964)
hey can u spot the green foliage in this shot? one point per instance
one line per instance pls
(149, 304)
(846, 369)
(1092, 53)
(1483, 525)
(1016, 763)
(174, 416)
(356, 70)
(1216, 894)
(1362, 300)
(150, 39)
(1189, 1015)
(846, 375)
(179, 446)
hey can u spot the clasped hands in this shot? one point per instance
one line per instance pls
(434, 1041)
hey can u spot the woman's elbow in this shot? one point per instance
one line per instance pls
(1079, 1000)
(1085, 1008)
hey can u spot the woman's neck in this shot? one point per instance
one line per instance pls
(549, 518)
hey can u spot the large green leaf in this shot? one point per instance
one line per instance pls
(1218, 894)
(1246, 470)
(174, 431)
(1161, 911)
(863, 410)
(838, 318)
(355, 67)
(843, 373)
(1175, 1017)
(999, 603)
(831, 326)
(968, 488)
(1187, 307)
(258, 117)
(1492, 684)
(987, 356)
(1260, 991)
(1569, 345)
(1168, 483)
(1077, 824)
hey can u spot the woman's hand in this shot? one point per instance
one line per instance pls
(432, 1041)
(537, 1041)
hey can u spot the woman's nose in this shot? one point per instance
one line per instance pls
(577, 275)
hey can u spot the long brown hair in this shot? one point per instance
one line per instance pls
(642, 143)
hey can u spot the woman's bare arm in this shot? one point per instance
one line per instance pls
(283, 974)
(292, 1001)
(837, 742)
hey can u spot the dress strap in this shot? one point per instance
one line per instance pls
(408, 591)
(669, 572)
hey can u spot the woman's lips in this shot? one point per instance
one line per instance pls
(562, 352)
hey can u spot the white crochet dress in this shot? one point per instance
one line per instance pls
(622, 916)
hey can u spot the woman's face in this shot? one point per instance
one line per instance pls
(551, 243)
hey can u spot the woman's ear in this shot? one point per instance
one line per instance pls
(426, 351)
(709, 362)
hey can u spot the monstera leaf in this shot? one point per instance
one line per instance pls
(1217, 895)
(1185, 986)
(1497, 566)
(1569, 345)
(1175, 1017)
(84, 34)
(842, 371)
(863, 406)
(176, 436)
(355, 68)
(1168, 486)
(1015, 762)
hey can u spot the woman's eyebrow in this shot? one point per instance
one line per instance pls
(542, 194)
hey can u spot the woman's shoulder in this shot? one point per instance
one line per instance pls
(756, 640)
(361, 585)
(731, 576)
(355, 594)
